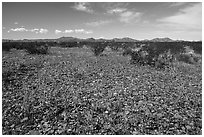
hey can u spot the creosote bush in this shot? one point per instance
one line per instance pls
(127, 52)
(38, 49)
(150, 57)
(98, 47)
(188, 58)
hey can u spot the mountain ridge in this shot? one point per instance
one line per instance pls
(74, 39)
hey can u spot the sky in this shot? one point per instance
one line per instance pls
(137, 20)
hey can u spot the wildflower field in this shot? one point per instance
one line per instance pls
(70, 91)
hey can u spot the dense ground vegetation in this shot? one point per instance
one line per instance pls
(75, 91)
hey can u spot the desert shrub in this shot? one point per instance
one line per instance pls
(127, 51)
(72, 44)
(139, 57)
(162, 61)
(187, 58)
(31, 47)
(196, 46)
(159, 64)
(117, 46)
(20, 45)
(135, 58)
(150, 57)
(6, 46)
(161, 57)
(145, 56)
(103, 55)
(114, 46)
(63, 44)
(52, 44)
(37, 48)
(69, 44)
(197, 58)
(98, 47)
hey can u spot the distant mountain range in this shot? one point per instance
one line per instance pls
(73, 39)
(126, 39)
(162, 40)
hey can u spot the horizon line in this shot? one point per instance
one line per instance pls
(100, 38)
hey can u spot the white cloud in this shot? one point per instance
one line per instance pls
(68, 31)
(187, 18)
(98, 23)
(74, 31)
(35, 30)
(88, 32)
(112, 7)
(21, 29)
(79, 30)
(58, 31)
(83, 6)
(130, 16)
(116, 10)
(16, 23)
(83, 31)
(124, 14)
(43, 31)
(176, 4)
